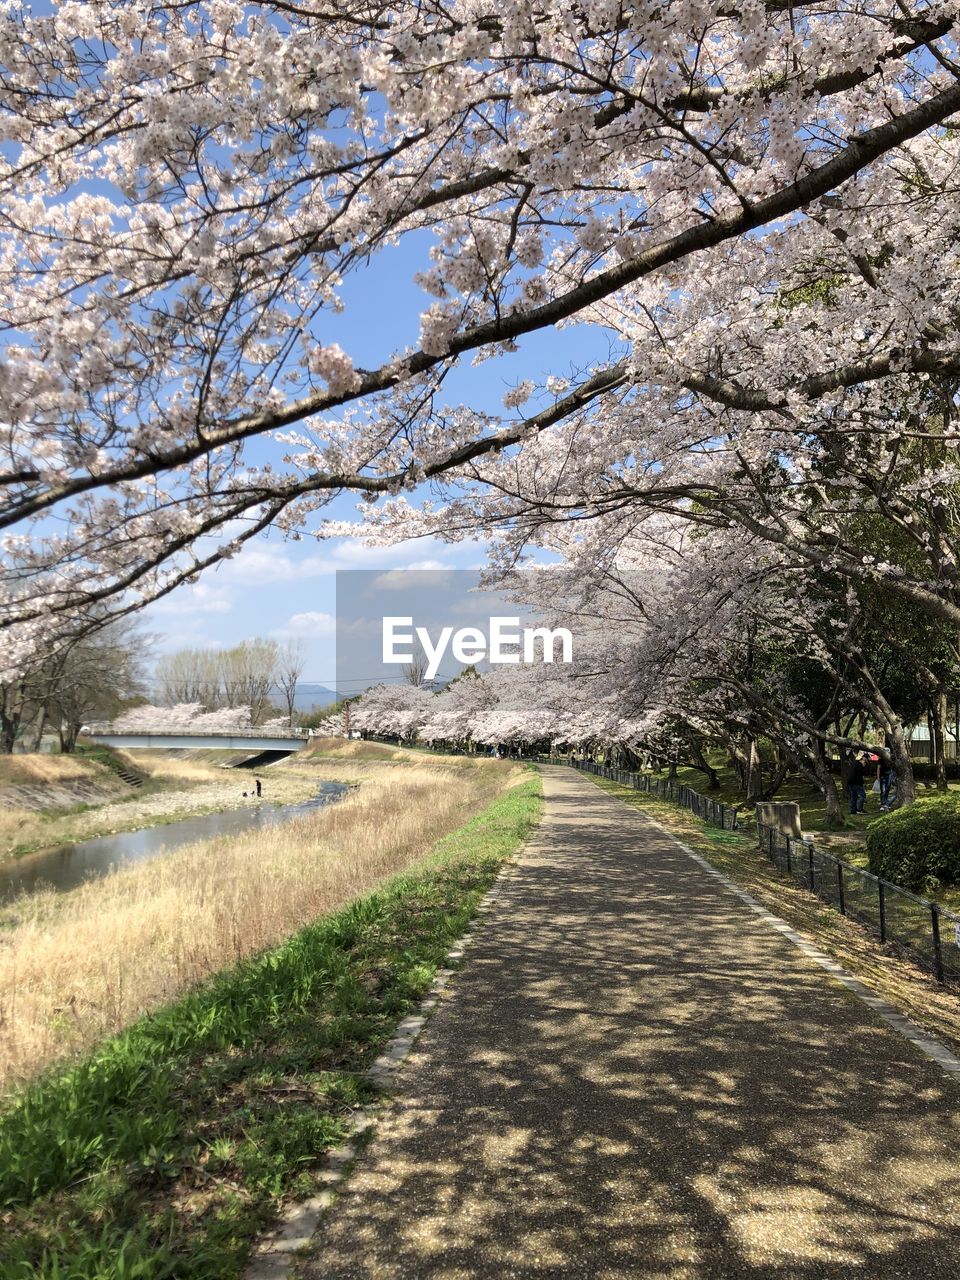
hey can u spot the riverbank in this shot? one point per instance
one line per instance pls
(87, 800)
(77, 966)
(172, 1146)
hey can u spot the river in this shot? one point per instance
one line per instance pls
(68, 867)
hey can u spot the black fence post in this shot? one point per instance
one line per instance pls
(937, 949)
(769, 840)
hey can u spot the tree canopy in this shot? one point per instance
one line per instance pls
(755, 201)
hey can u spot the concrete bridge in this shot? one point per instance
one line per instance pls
(288, 741)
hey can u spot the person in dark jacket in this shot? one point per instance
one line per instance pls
(887, 779)
(855, 785)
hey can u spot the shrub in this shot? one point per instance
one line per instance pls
(918, 847)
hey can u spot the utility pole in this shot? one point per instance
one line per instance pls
(346, 719)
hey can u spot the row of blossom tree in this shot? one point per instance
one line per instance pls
(686, 643)
(192, 718)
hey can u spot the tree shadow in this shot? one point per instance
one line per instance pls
(636, 1077)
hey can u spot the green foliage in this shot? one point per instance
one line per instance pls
(166, 1151)
(919, 846)
(313, 719)
(820, 290)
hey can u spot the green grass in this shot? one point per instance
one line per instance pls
(847, 845)
(170, 1148)
(812, 808)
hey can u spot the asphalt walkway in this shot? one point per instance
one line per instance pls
(636, 1076)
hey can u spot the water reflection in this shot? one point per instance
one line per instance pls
(70, 866)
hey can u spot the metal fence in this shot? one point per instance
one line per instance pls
(927, 932)
(710, 810)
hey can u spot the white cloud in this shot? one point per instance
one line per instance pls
(312, 623)
(200, 597)
(396, 579)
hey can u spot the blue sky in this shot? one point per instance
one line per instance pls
(285, 589)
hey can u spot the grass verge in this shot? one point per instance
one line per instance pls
(888, 974)
(172, 1146)
(77, 967)
(813, 816)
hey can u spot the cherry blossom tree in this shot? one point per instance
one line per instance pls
(396, 710)
(191, 718)
(686, 641)
(755, 201)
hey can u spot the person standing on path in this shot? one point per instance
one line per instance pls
(885, 776)
(855, 785)
(259, 788)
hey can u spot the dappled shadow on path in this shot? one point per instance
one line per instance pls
(637, 1077)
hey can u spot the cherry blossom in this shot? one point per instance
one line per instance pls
(757, 206)
(191, 718)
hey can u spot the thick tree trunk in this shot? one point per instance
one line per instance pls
(738, 759)
(815, 764)
(698, 760)
(11, 715)
(937, 738)
(9, 727)
(38, 728)
(902, 767)
(754, 779)
(777, 781)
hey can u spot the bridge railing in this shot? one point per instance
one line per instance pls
(248, 731)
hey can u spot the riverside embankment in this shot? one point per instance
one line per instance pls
(69, 867)
(50, 802)
(77, 966)
(165, 1150)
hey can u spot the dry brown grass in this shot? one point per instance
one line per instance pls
(19, 827)
(354, 749)
(30, 769)
(79, 966)
(161, 766)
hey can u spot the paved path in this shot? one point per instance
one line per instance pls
(636, 1076)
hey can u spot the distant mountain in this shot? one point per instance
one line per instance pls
(311, 697)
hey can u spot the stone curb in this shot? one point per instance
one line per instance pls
(274, 1257)
(927, 1044)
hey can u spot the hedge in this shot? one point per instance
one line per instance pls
(919, 846)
